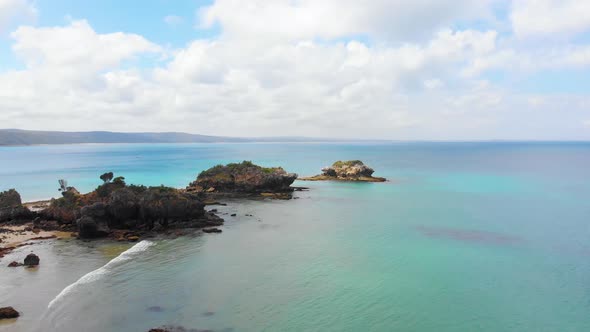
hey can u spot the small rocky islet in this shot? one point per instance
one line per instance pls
(351, 170)
(244, 179)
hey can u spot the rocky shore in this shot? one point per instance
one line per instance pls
(352, 170)
(129, 212)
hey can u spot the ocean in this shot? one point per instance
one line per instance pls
(465, 236)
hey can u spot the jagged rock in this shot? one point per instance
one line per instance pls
(211, 230)
(94, 221)
(31, 260)
(167, 204)
(11, 207)
(14, 264)
(244, 177)
(123, 205)
(149, 209)
(352, 170)
(8, 312)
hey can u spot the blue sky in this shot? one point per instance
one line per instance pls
(492, 69)
(141, 17)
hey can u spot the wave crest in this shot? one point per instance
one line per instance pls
(98, 273)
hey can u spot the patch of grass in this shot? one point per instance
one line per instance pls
(224, 172)
(341, 163)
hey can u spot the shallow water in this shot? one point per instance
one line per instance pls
(466, 236)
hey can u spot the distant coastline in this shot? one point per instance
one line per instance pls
(20, 137)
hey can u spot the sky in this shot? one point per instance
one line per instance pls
(372, 69)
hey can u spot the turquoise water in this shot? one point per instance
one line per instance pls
(465, 237)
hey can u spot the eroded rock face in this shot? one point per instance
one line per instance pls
(348, 169)
(244, 177)
(169, 205)
(352, 170)
(123, 205)
(93, 222)
(147, 209)
(11, 207)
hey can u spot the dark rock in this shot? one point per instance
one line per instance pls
(14, 264)
(8, 312)
(233, 214)
(167, 205)
(171, 328)
(11, 207)
(155, 309)
(94, 221)
(31, 260)
(123, 206)
(89, 228)
(244, 177)
(211, 230)
(62, 214)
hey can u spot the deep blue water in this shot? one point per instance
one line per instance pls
(465, 237)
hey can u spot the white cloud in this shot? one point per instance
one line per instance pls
(271, 71)
(173, 20)
(306, 19)
(433, 83)
(14, 11)
(543, 17)
(77, 45)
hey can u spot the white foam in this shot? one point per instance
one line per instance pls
(98, 273)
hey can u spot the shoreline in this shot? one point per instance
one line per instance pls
(16, 236)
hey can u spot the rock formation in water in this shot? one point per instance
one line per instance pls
(243, 178)
(352, 170)
(146, 209)
(115, 207)
(31, 260)
(8, 312)
(11, 207)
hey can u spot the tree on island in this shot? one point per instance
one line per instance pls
(63, 185)
(107, 177)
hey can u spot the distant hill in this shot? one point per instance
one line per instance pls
(32, 137)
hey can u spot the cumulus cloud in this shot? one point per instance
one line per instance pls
(295, 68)
(308, 19)
(14, 11)
(543, 17)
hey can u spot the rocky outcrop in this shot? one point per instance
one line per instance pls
(94, 221)
(8, 312)
(352, 170)
(11, 207)
(243, 178)
(14, 264)
(31, 260)
(144, 209)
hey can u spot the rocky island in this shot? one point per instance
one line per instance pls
(352, 170)
(244, 179)
(129, 212)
